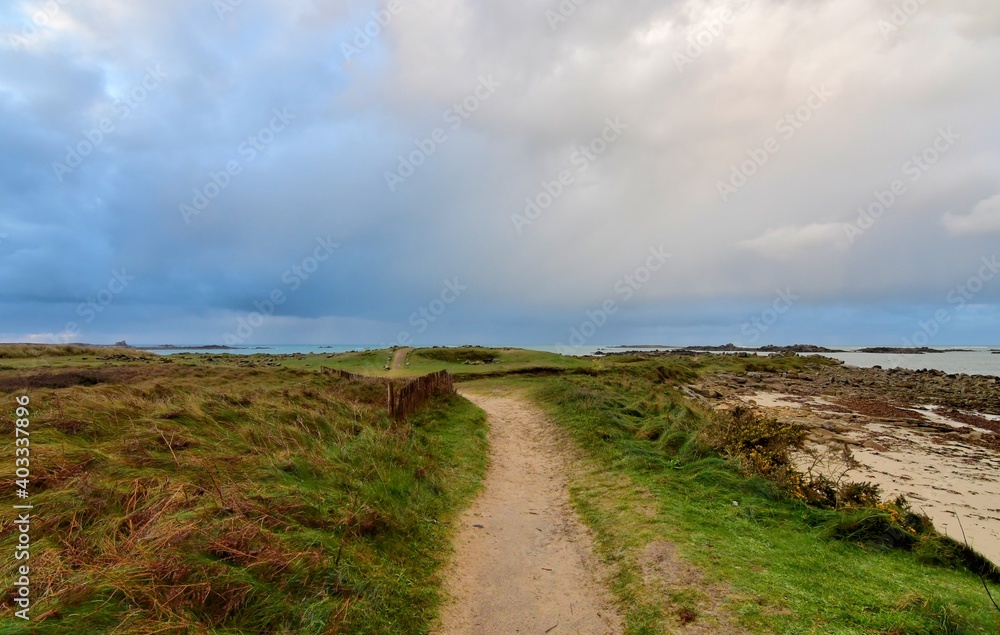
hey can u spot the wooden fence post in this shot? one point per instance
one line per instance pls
(403, 398)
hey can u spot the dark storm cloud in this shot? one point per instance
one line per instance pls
(259, 119)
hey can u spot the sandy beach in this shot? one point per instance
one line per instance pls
(911, 440)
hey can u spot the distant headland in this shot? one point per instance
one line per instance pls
(802, 348)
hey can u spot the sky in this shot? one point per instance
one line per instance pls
(526, 172)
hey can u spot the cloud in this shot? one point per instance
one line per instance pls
(789, 242)
(984, 218)
(325, 174)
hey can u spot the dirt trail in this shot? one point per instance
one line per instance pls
(399, 358)
(524, 563)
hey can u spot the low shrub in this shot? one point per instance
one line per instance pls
(460, 355)
(760, 445)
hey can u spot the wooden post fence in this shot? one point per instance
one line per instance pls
(406, 396)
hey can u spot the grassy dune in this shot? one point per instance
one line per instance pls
(460, 361)
(190, 499)
(229, 494)
(24, 351)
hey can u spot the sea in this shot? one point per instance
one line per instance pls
(971, 360)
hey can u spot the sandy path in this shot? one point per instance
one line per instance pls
(399, 358)
(523, 561)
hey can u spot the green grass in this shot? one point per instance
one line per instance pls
(422, 361)
(28, 351)
(184, 498)
(232, 494)
(651, 480)
(504, 361)
(44, 356)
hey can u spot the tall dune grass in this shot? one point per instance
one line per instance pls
(186, 499)
(24, 351)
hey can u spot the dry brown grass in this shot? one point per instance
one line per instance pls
(181, 498)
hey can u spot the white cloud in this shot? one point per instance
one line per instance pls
(786, 243)
(985, 217)
(656, 185)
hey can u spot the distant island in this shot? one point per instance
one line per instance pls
(912, 351)
(732, 348)
(171, 347)
(806, 348)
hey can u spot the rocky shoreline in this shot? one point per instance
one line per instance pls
(796, 348)
(928, 435)
(893, 387)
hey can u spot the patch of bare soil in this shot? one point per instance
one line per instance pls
(524, 563)
(667, 574)
(399, 358)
